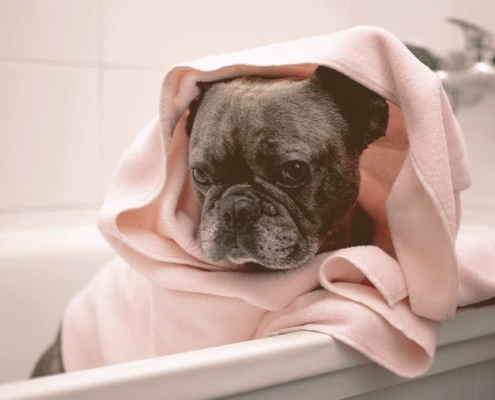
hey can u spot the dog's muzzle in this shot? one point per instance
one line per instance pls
(239, 209)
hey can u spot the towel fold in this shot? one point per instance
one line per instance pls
(385, 300)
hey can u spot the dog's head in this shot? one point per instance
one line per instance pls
(274, 163)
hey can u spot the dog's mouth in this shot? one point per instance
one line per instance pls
(257, 268)
(256, 232)
(248, 260)
(250, 268)
(240, 261)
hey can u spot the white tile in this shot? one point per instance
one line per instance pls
(130, 101)
(49, 141)
(478, 12)
(421, 21)
(478, 122)
(156, 32)
(57, 30)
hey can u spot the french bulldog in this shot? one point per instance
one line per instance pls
(275, 166)
(274, 163)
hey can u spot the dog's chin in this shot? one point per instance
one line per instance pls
(249, 264)
(254, 267)
(246, 262)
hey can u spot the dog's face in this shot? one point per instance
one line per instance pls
(274, 164)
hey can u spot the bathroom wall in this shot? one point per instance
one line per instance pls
(79, 78)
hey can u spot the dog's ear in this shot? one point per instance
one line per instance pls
(365, 111)
(193, 107)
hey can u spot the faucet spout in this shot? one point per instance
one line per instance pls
(480, 76)
(468, 77)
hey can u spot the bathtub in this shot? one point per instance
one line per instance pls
(46, 257)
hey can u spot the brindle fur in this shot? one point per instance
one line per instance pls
(243, 130)
(50, 363)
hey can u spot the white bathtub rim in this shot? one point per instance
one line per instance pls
(258, 364)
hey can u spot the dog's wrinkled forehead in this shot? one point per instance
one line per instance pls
(248, 115)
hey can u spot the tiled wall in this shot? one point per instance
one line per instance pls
(79, 78)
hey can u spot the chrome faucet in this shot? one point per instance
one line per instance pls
(467, 76)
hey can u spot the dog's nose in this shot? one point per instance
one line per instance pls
(239, 212)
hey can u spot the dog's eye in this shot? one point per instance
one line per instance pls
(200, 176)
(293, 173)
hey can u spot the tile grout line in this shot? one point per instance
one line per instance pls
(81, 64)
(48, 208)
(46, 62)
(100, 102)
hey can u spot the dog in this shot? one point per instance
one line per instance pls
(275, 166)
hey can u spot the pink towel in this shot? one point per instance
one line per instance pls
(385, 300)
